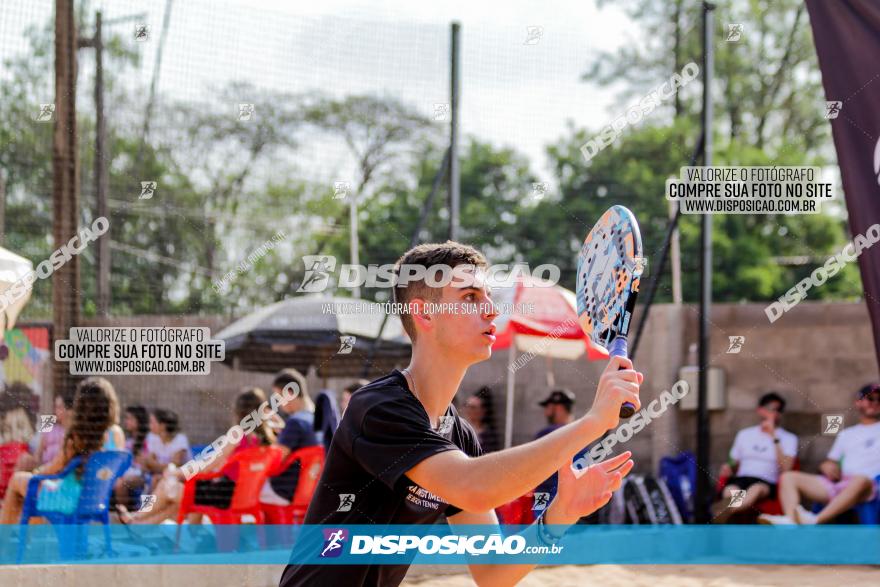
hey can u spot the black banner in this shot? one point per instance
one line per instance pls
(847, 37)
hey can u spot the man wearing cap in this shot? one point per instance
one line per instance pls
(848, 474)
(759, 455)
(557, 410)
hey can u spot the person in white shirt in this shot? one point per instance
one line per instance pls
(758, 456)
(165, 445)
(848, 474)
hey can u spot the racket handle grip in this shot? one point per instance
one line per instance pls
(619, 349)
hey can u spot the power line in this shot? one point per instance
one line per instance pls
(157, 258)
(173, 211)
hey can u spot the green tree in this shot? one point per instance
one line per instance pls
(749, 251)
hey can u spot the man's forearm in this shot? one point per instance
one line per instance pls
(784, 461)
(500, 477)
(496, 575)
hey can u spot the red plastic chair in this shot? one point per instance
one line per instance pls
(254, 467)
(771, 507)
(311, 459)
(9, 455)
(518, 511)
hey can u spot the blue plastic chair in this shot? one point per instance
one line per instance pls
(101, 471)
(869, 512)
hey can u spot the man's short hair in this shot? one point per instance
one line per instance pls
(288, 376)
(450, 253)
(771, 397)
(353, 387)
(867, 390)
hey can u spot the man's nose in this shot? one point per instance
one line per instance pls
(491, 310)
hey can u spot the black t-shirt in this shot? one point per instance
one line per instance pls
(384, 433)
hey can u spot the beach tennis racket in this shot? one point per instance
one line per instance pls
(609, 270)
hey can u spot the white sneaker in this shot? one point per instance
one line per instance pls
(775, 520)
(802, 516)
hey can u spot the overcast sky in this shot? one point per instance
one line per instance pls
(514, 93)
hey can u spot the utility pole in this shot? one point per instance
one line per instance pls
(100, 171)
(454, 89)
(703, 499)
(354, 243)
(102, 157)
(65, 183)
(2, 207)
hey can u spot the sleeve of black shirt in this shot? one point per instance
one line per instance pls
(395, 436)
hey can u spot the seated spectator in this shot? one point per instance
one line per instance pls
(114, 439)
(215, 492)
(758, 456)
(51, 441)
(480, 414)
(165, 444)
(88, 432)
(847, 476)
(137, 425)
(345, 396)
(17, 406)
(558, 412)
(298, 432)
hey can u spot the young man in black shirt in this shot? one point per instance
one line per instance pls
(402, 455)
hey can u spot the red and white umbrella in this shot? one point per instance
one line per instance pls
(539, 319)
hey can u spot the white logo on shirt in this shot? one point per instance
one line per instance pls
(423, 498)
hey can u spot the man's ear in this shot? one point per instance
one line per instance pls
(418, 312)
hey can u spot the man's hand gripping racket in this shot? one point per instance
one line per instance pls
(609, 271)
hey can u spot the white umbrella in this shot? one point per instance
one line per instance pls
(12, 269)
